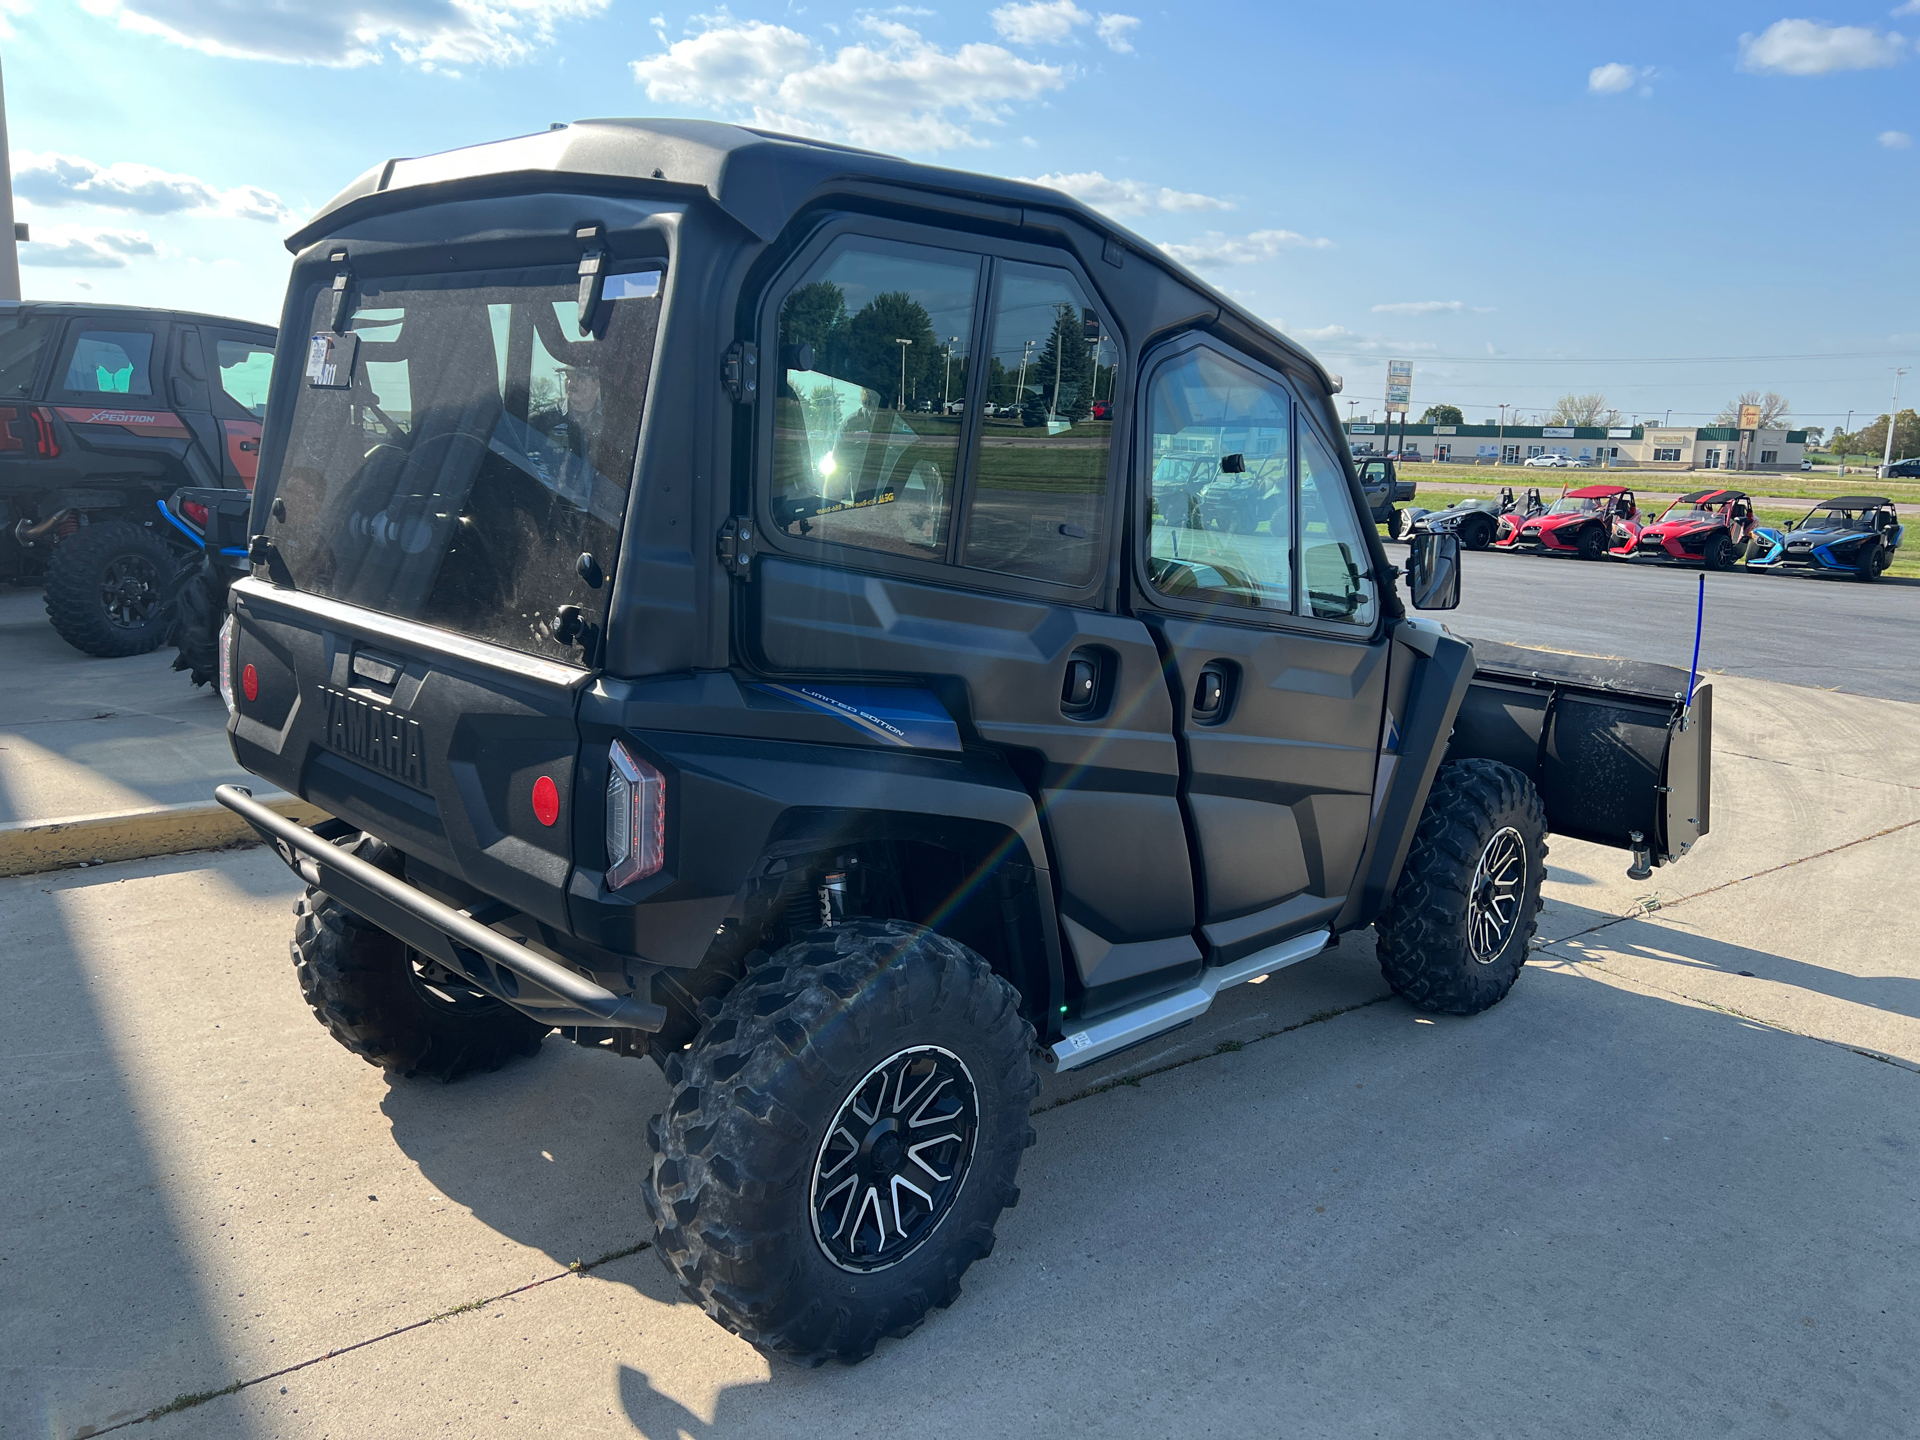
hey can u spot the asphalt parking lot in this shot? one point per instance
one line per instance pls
(1666, 1188)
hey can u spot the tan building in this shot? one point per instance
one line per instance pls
(1627, 447)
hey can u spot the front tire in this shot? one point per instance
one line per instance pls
(1456, 932)
(784, 1096)
(106, 589)
(1396, 525)
(1871, 564)
(1719, 554)
(1593, 543)
(391, 1005)
(1477, 534)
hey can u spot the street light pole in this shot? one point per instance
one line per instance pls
(9, 249)
(901, 403)
(1893, 418)
(1501, 458)
(1020, 385)
(946, 385)
(1848, 432)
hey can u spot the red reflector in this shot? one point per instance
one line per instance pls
(546, 800)
(196, 512)
(250, 683)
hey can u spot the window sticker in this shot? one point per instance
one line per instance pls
(330, 360)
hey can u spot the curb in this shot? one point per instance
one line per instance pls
(32, 846)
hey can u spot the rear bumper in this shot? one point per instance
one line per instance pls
(511, 972)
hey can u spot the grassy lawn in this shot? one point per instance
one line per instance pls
(1906, 560)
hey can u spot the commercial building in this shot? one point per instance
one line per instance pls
(1627, 447)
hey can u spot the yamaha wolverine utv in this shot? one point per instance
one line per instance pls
(661, 573)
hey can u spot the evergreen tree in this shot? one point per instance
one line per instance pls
(815, 315)
(873, 349)
(1063, 370)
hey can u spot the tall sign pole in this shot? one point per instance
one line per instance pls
(9, 249)
(1893, 419)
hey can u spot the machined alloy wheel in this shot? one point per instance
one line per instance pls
(1499, 886)
(895, 1158)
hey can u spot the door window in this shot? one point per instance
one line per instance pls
(245, 370)
(21, 337)
(871, 346)
(1037, 504)
(1335, 574)
(1221, 507)
(110, 362)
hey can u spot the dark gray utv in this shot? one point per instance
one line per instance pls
(765, 607)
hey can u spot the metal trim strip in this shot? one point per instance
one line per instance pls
(377, 626)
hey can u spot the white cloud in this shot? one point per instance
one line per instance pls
(1805, 47)
(1127, 197)
(1114, 30)
(71, 247)
(1054, 22)
(1350, 341)
(432, 34)
(1615, 78)
(53, 179)
(9, 9)
(901, 94)
(1422, 307)
(1896, 139)
(1214, 249)
(1040, 22)
(1912, 7)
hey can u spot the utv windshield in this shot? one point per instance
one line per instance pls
(1571, 506)
(1835, 520)
(454, 454)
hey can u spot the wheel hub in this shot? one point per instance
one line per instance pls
(130, 592)
(894, 1159)
(1495, 896)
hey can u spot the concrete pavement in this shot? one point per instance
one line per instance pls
(1647, 1194)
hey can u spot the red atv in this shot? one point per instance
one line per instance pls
(1586, 522)
(1710, 527)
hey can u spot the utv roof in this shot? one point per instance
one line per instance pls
(1712, 497)
(1853, 502)
(760, 178)
(87, 307)
(1597, 492)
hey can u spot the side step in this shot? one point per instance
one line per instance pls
(1130, 1027)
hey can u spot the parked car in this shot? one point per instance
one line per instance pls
(105, 412)
(1581, 522)
(1547, 461)
(1856, 535)
(1901, 470)
(678, 741)
(1710, 528)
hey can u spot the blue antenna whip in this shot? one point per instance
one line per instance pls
(1699, 620)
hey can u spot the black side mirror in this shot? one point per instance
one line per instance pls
(1433, 570)
(1233, 464)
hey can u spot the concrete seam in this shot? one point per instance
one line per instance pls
(191, 1400)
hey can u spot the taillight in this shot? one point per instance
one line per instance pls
(636, 817)
(194, 511)
(27, 431)
(226, 663)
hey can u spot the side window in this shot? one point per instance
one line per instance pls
(245, 370)
(1037, 503)
(1335, 574)
(1222, 511)
(871, 351)
(21, 337)
(110, 362)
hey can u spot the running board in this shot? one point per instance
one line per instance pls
(1117, 1032)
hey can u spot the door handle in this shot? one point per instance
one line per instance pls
(1213, 691)
(1081, 689)
(248, 447)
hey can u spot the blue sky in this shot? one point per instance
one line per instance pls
(1518, 198)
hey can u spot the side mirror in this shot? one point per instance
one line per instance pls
(1235, 464)
(1433, 570)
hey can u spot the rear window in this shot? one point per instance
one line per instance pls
(453, 462)
(22, 337)
(110, 362)
(246, 369)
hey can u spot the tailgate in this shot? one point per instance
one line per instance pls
(460, 753)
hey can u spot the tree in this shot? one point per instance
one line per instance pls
(1871, 440)
(1774, 409)
(1063, 372)
(1815, 433)
(1443, 415)
(816, 315)
(1582, 410)
(873, 349)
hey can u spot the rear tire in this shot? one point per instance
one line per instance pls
(1457, 930)
(1593, 543)
(752, 1155)
(106, 589)
(195, 611)
(368, 989)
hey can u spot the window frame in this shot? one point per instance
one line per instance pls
(899, 236)
(158, 396)
(1303, 421)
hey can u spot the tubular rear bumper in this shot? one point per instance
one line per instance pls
(509, 971)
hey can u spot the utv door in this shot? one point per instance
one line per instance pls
(970, 553)
(108, 386)
(445, 497)
(242, 370)
(1270, 631)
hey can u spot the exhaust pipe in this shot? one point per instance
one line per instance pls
(27, 532)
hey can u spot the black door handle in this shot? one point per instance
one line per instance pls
(1081, 689)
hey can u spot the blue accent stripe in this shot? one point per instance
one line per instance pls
(183, 528)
